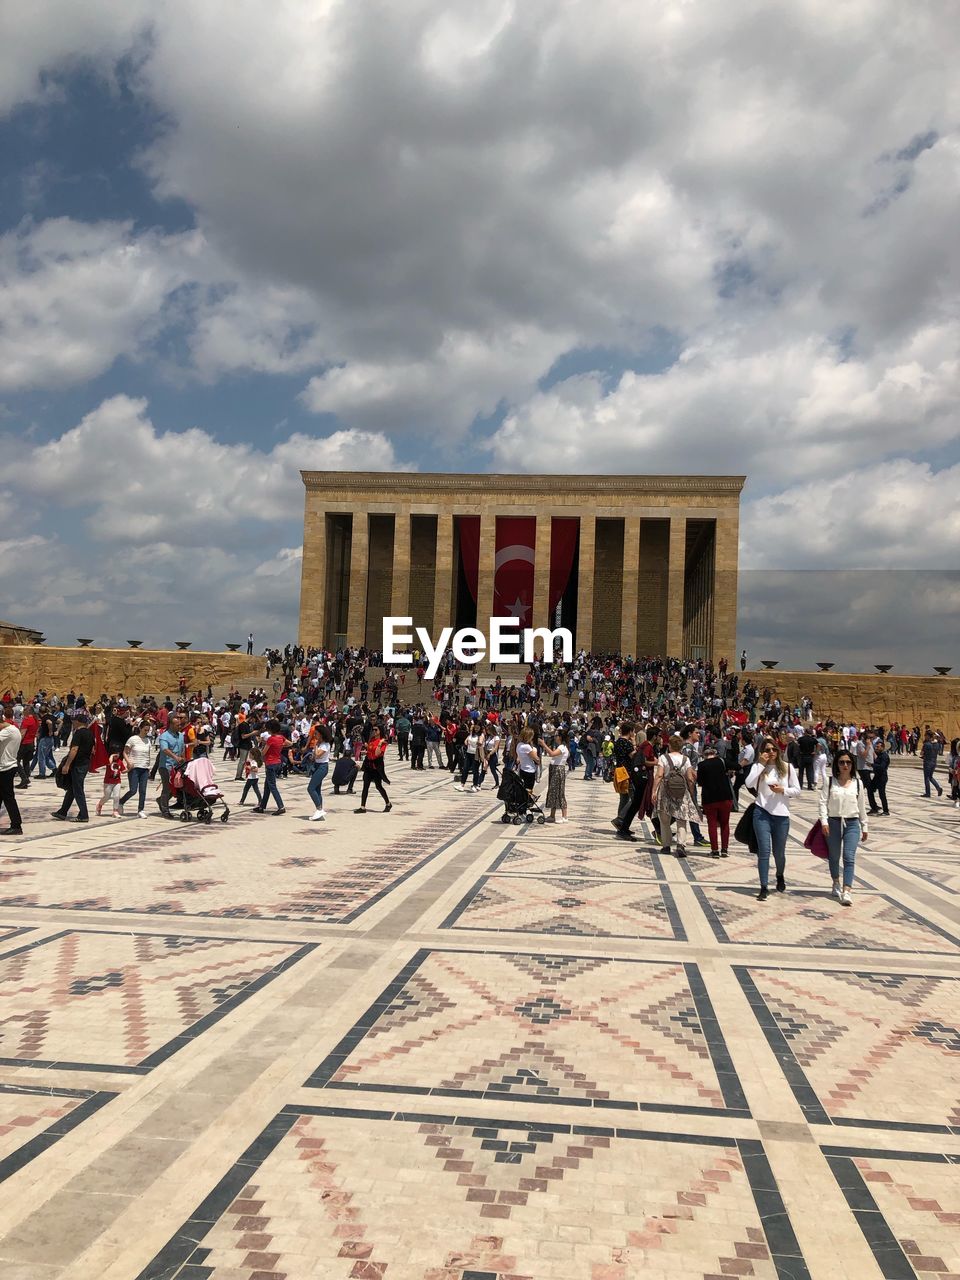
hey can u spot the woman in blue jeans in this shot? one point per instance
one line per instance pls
(843, 816)
(138, 753)
(775, 782)
(321, 763)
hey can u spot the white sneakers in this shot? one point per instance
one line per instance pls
(845, 898)
(318, 815)
(836, 891)
(141, 814)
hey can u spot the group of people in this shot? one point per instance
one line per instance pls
(701, 735)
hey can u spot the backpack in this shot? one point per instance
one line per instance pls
(674, 783)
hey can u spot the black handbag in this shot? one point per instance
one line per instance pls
(744, 832)
(61, 779)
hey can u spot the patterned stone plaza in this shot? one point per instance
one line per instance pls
(428, 1046)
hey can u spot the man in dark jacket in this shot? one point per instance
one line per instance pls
(807, 749)
(418, 742)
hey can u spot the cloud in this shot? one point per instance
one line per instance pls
(74, 296)
(776, 411)
(182, 487)
(899, 515)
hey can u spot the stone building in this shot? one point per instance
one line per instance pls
(639, 564)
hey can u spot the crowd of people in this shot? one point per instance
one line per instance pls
(679, 740)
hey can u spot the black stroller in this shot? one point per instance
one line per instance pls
(519, 804)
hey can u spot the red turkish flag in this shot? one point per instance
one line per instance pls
(513, 568)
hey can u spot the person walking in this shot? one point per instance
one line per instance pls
(374, 771)
(273, 748)
(557, 776)
(929, 755)
(469, 761)
(775, 783)
(251, 776)
(843, 817)
(674, 781)
(75, 767)
(29, 731)
(9, 752)
(321, 766)
(716, 800)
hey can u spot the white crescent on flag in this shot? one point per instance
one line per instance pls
(513, 553)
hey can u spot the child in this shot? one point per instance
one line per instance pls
(251, 773)
(113, 771)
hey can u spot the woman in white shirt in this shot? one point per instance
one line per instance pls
(775, 782)
(528, 762)
(138, 754)
(557, 776)
(469, 762)
(843, 816)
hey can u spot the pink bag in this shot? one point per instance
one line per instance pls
(816, 842)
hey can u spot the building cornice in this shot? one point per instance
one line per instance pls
(420, 484)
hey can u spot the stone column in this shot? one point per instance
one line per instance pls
(359, 556)
(724, 638)
(313, 576)
(400, 592)
(585, 570)
(485, 572)
(443, 574)
(541, 572)
(676, 569)
(631, 576)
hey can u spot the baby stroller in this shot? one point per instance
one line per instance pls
(201, 795)
(519, 805)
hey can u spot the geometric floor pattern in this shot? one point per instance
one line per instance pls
(516, 1027)
(427, 1045)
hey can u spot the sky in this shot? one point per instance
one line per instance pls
(238, 240)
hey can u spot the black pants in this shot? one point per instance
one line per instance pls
(403, 746)
(8, 798)
(805, 771)
(416, 758)
(877, 790)
(75, 780)
(372, 779)
(24, 761)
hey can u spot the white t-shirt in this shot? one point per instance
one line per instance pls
(524, 763)
(138, 752)
(560, 761)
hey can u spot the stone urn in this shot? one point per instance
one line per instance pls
(183, 644)
(770, 663)
(826, 666)
(883, 667)
(84, 642)
(134, 644)
(943, 671)
(232, 647)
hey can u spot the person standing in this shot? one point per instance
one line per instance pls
(44, 759)
(250, 644)
(929, 755)
(557, 776)
(528, 761)
(418, 743)
(807, 753)
(321, 766)
(170, 756)
(9, 751)
(843, 817)
(881, 774)
(29, 729)
(248, 734)
(775, 783)
(401, 727)
(490, 750)
(137, 755)
(716, 800)
(75, 768)
(743, 660)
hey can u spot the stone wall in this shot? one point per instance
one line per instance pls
(871, 699)
(129, 671)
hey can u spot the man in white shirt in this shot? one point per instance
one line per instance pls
(9, 751)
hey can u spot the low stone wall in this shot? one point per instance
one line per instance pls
(870, 699)
(132, 672)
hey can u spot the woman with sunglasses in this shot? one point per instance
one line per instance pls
(774, 782)
(843, 816)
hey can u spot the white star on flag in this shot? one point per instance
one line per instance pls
(518, 609)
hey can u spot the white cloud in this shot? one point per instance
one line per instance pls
(897, 515)
(182, 488)
(74, 296)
